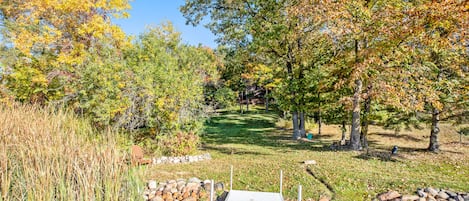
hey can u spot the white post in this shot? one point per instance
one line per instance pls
(299, 192)
(212, 186)
(231, 178)
(281, 181)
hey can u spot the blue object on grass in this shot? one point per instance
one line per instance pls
(310, 136)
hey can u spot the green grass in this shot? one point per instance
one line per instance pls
(257, 150)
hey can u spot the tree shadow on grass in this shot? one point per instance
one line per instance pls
(378, 155)
(252, 128)
(398, 136)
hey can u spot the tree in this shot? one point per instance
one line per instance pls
(52, 41)
(272, 32)
(434, 62)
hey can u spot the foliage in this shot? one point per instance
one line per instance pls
(225, 97)
(52, 40)
(47, 154)
(179, 144)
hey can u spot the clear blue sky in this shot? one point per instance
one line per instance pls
(154, 12)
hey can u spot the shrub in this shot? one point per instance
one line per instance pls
(180, 144)
(284, 124)
(225, 97)
(52, 155)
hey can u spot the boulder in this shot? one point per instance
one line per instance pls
(433, 192)
(152, 184)
(389, 195)
(157, 198)
(410, 197)
(442, 195)
(421, 193)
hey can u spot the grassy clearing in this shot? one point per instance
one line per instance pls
(257, 150)
(52, 155)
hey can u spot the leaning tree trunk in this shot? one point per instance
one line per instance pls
(355, 131)
(296, 130)
(365, 122)
(302, 124)
(434, 145)
(266, 100)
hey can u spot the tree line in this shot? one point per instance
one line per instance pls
(390, 62)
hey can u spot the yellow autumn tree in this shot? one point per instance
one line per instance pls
(53, 39)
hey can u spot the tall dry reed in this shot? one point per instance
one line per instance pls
(52, 155)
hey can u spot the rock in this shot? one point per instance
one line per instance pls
(157, 198)
(460, 198)
(388, 195)
(442, 195)
(219, 186)
(421, 193)
(194, 180)
(324, 199)
(430, 198)
(189, 199)
(152, 184)
(422, 199)
(410, 197)
(174, 190)
(310, 162)
(451, 194)
(431, 191)
(451, 199)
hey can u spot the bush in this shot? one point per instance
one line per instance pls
(180, 144)
(284, 124)
(52, 155)
(225, 97)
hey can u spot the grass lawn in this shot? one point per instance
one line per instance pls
(257, 150)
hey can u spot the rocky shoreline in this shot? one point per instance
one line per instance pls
(425, 194)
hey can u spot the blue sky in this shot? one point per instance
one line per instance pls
(154, 12)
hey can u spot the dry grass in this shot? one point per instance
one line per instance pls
(51, 155)
(257, 150)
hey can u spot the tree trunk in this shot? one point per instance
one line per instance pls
(355, 131)
(319, 114)
(344, 130)
(296, 131)
(247, 100)
(266, 100)
(434, 145)
(241, 102)
(302, 124)
(365, 122)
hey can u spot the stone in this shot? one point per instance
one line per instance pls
(219, 186)
(442, 195)
(433, 192)
(157, 198)
(152, 184)
(421, 193)
(194, 180)
(430, 198)
(388, 195)
(410, 197)
(190, 199)
(460, 198)
(451, 194)
(451, 199)
(324, 199)
(310, 162)
(422, 199)
(174, 190)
